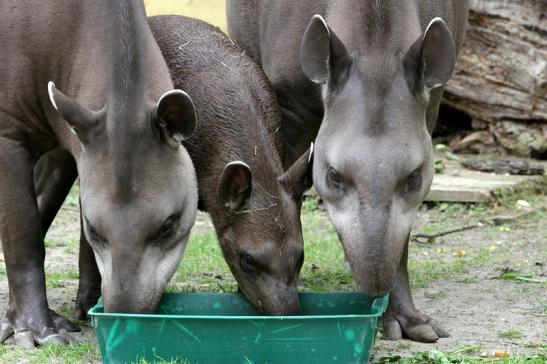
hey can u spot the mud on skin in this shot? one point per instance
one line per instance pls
(364, 80)
(121, 136)
(253, 203)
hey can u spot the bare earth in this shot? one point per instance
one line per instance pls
(472, 303)
(477, 307)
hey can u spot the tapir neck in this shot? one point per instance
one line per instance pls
(127, 86)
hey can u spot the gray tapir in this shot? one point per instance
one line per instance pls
(121, 122)
(364, 79)
(253, 204)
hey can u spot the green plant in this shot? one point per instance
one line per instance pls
(510, 334)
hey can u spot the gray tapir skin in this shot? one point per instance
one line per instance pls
(364, 80)
(117, 124)
(253, 204)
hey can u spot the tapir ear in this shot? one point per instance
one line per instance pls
(438, 54)
(323, 57)
(79, 118)
(299, 178)
(176, 116)
(235, 185)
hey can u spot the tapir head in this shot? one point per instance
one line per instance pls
(261, 233)
(138, 192)
(373, 155)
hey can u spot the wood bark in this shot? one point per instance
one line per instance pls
(501, 72)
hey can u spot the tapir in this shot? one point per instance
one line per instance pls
(363, 79)
(254, 204)
(86, 81)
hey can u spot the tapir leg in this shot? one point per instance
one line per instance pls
(54, 175)
(402, 318)
(28, 316)
(89, 286)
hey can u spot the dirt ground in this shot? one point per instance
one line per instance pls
(469, 299)
(477, 307)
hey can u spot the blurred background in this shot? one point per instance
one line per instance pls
(212, 11)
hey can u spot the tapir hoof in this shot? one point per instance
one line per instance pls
(62, 323)
(414, 326)
(28, 339)
(83, 305)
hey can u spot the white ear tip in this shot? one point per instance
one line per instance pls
(50, 89)
(311, 153)
(435, 21)
(318, 17)
(172, 92)
(239, 163)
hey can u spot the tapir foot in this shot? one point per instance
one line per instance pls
(82, 307)
(28, 338)
(414, 325)
(85, 300)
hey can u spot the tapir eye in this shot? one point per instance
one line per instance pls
(414, 180)
(168, 227)
(334, 180)
(248, 264)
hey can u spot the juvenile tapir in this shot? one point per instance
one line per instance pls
(363, 78)
(118, 125)
(253, 204)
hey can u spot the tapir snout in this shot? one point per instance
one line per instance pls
(284, 301)
(375, 255)
(274, 297)
(133, 282)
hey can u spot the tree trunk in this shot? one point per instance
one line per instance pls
(501, 73)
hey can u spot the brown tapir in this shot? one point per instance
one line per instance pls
(253, 204)
(364, 80)
(118, 125)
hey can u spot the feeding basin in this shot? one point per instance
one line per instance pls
(202, 328)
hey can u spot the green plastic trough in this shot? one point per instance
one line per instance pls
(202, 328)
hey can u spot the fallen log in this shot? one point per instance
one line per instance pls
(503, 166)
(500, 79)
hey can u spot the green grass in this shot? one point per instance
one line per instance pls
(324, 268)
(510, 334)
(203, 268)
(73, 198)
(57, 279)
(531, 191)
(423, 272)
(84, 352)
(542, 346)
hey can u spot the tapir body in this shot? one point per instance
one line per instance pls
(117, 125)
(363, 79)
(253, 203)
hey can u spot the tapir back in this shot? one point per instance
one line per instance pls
(39, 46)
